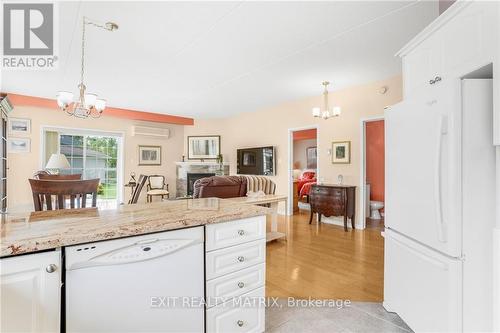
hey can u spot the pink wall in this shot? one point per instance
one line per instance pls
(375, 159)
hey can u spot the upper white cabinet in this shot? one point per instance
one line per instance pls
(422, 65)
(463, 39)
(30, 288)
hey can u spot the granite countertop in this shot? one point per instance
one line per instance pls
(36, 231)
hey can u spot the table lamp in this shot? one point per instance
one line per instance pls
(57, 162)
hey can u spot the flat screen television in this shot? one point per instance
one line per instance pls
(256, 161)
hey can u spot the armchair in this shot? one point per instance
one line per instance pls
(156, 187)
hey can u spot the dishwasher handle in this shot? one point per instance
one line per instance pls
(140, 251)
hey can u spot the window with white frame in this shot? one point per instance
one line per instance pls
(93, 155)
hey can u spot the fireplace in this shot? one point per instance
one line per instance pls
(202, 169)
(192, 177)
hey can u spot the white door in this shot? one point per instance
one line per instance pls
(423, 167)
(422, 286)
(30, 288)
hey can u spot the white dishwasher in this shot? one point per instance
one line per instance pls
(149, 283)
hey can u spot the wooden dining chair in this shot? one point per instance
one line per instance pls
(138, 189)
(52, 194)
(76, 176)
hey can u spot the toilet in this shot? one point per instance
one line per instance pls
(375, 206)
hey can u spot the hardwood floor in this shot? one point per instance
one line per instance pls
(324, 262)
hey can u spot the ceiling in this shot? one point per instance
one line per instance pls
(215, 59)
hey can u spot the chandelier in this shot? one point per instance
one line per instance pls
(326, 112)
(87, 104)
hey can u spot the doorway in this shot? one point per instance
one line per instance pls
(372, 172)
(303, 167)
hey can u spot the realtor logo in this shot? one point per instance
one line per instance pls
(28, 36)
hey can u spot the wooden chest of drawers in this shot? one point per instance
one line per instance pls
(333, 200)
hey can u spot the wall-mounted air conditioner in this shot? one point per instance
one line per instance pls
(157, 132)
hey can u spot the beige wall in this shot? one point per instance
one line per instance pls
(270, 127)
(22, 166)
(300, 151)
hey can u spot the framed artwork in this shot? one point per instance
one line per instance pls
(19, 126)
(312, 157)
(203, 147)
(19, 145)
(149, 155)
(341, 152)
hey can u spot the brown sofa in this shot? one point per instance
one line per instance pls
(220, 187)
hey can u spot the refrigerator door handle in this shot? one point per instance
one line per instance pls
(443, 130)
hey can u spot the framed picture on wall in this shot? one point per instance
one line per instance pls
(19, 126)
(341, 152)
(18, 145)
(312, 157)
(203, 147)
(149, 155)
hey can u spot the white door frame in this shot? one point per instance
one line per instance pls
(289, 209)
(362, 194)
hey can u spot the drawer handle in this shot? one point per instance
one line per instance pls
(240, 323)
(241, 284)
(241, 259)
(241, 232)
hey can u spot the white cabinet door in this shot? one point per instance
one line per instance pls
(422, 65)
(232, 259)
(31, 292)
(245, 314)
(423, 167)
(220, 235)
(235, 284)
(422, 286)
(467, 40)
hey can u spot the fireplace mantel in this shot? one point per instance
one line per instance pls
(200, 163)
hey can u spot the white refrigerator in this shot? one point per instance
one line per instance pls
(440, 207)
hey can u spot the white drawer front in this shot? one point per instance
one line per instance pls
(236, 317)
(235, 258)
(222, 235)
(236, 284)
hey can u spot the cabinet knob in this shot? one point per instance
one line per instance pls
(241, 232)
(241, 284)
(51, 268)
(241, 259)
(240, 323)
